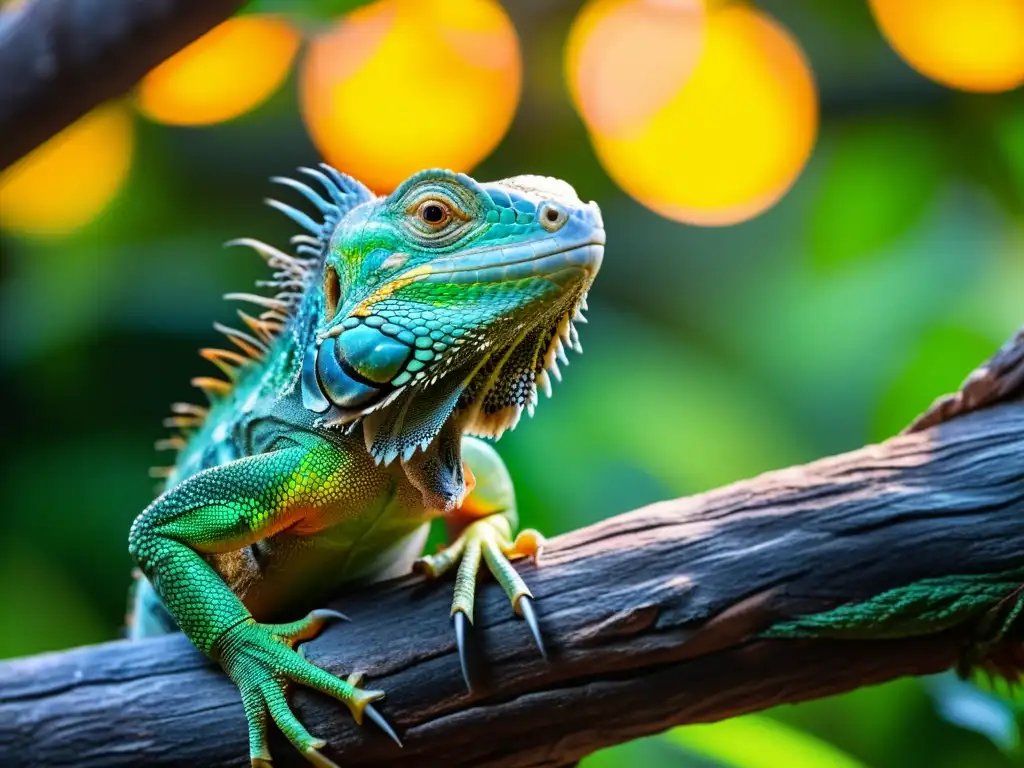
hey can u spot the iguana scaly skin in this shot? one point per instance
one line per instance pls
(401, 326)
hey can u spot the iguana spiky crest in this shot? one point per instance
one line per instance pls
(291, 277)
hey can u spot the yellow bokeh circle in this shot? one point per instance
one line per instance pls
(234, 67)
(627, 58)
(65, 183)
(732, 138)
(972, 45)
(402, 85)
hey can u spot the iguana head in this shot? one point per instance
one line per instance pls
(447, 299)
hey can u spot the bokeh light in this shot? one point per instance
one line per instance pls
(715, 147)
(65, 183)
(972, 45)
(615, 89)
(402, 85)
(234, 67)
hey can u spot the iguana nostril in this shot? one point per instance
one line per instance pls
(551, 217)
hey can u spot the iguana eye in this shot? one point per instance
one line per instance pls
(434, 218)
(434, 213)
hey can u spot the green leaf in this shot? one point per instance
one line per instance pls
(879, 180)
(756, 741)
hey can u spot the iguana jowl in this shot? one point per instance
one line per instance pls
(402, 325)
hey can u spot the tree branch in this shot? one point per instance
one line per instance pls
(654, 618)
(999, 379)
(61, 58)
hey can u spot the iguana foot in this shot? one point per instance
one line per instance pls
(489, 538)
(261, 659)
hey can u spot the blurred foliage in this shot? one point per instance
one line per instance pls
(316, 10)
(893, 266)
(755, 741)
(879, 179)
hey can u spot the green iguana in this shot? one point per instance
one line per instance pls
(401, 326)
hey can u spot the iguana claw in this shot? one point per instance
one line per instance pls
(378, 719)
(356, 680)
(526, 608)
(468, 659)
(460, 621)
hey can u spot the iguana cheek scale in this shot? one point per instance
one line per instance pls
(400, 330)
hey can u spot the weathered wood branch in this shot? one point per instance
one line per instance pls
(653, 619)
(61, 58)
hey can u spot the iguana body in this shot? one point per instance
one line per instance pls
(403, 324)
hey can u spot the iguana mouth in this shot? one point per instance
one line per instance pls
(559, 263)
(516, 263)
(530, 259)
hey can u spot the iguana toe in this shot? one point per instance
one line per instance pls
(317, 758)
(261, 661)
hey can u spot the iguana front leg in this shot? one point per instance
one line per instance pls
(482, 528)
(224, 509)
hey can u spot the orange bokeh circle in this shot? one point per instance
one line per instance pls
(65, 183)
(972, 45)
(228, 71)
(402, 85)
(729, 139)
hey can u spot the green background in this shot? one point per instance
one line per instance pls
(893, 267)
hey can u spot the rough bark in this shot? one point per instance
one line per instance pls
(997, 380)
(653, 618)
(61, 58)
